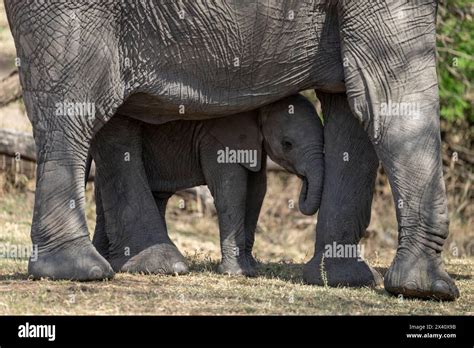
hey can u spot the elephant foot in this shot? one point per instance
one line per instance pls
(157, 259)
(420, 276)
(241, 266)
(340, 271)
(77, 261)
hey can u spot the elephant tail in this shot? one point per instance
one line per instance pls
(88, 169)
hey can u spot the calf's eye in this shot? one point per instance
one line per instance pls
(287, 145)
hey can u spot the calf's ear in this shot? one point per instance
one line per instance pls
(240, 132)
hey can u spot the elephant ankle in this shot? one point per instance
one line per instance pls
(54, 241)
(415, 241)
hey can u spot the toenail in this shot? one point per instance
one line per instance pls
(440, 286)
(180, 267)
(411, 285)
(95, 272)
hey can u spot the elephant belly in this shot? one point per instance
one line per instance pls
(162, 183)
(203, 59)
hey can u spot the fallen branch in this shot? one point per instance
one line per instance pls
(14, 144)
(21, 145)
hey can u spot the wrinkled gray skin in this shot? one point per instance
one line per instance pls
(183, 154)
(226, 57)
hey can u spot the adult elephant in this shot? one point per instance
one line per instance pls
(190, 60)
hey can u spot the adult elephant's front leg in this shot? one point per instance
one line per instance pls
(72, 84)
(349, 177)
(59, 227)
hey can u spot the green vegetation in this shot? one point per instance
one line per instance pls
(455, 30)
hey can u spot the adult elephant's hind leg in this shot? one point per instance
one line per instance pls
(59, 227)
(392, 87)
(351, 166)
(138, 242)
(410, 152)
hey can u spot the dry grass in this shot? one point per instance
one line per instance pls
(284, 242)
(204, 292)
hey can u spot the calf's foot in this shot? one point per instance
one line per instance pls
(234, 266)
(421, 276)
(78, 260)
(157, 259)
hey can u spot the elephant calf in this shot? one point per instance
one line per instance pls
(138, 163)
